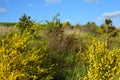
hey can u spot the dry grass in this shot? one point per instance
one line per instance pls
(71, 31)
(4, 29)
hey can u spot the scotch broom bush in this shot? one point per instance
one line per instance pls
(22, 59)
(104, 64)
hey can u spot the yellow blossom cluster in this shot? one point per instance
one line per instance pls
(20, 60)
(104, 64)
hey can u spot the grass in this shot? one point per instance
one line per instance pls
(4, 29)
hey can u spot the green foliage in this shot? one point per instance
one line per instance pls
(55, 23)
(8, 24)
(108, 21)
(78, 26)
(112, 32)
(90, 27)
(25, 22)
(66, 24)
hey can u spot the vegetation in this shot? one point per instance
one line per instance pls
(60, 51)
(7, 24)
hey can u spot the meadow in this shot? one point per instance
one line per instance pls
(59, 51)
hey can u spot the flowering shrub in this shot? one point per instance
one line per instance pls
(21, 58)
(104, 64)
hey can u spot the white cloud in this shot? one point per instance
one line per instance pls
(89, 1)
(113, 15)
(3, 9)
(30, 5)
(52, 1)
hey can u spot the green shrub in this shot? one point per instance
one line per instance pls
(25, 22)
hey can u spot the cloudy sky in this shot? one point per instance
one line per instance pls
(75, 11)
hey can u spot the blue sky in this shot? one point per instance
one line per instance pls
(75, 11)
